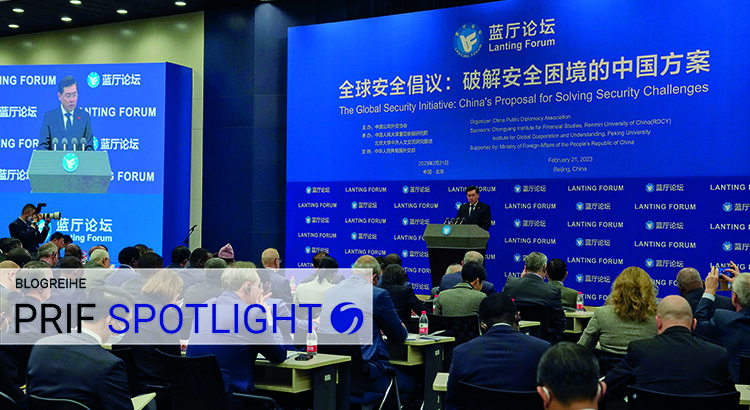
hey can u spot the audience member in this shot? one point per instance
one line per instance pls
(312, 291)
(67, 240)
(20, 256)
(227, 253)
(464, 298)
(198, 258)
(128, 259)
(317, 257)
(280, 288)
(8, 271)
(627, 315)
(727, 328)
(394, 280)
(75, 366)
(180, 258)
(675, 361)
(148, 264)
(503, 358)
(530, 288)
(451, 279)
(557, 271)
(241, 288)
(58, 239)
(142, 248)
(209, 287)
(8, 244)
(690, 286)
(568, 378)
(48, 253)
(74, 250)
(97, 268)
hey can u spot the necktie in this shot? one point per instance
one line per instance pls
(471, 210)
(68, 120)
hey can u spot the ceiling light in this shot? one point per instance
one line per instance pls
(13, 25)
(180, 3)
(18, 10)
(122, 11)
(66, 19)
(76, 2)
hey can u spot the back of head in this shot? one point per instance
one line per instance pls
(142, 248)
(675, 310)
(570, 371)
(73, 250)
(67, 240)
(535, 262)
(317, 257)
(215, 263)
(472, 271)
(632, 295)
(741, 288)
(20, 256)
(165, 286)
(150, 260)
(453, 269)
(497, 308)
(688, 279)
(473, 257)
(392, 258)
(70, 262)
(33, 271)
(98, 256)
(369, 263)
(233, 279)
(394, 274)
(268, 257)
(95, 247)
(47, 250)
(104, 297)
(56, 236)
(8, 244)
(180, 254)
(198, 257)
(128, 255)
(556, 269)
(328, 263)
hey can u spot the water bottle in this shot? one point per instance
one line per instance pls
(579, 302)
(312, 343)
(423, 324)
(293, 287)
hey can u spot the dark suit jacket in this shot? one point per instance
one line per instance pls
(54, 127)
(30, 237)
(673, 362)
(404, 300)
(280, 288)
(533, 289)
(236, 361)
(452, 279)
(85, 373)
(11, 379)
(726, 328)
(502, 358)
(694, 297)
(481, 215)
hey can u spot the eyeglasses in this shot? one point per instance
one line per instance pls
(70, 95)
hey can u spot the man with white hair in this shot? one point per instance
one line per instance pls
(454, 278)
(280, 287)
(48, 253)
(727, 328)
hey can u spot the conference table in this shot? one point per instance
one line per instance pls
(321, 374)
(744, 390)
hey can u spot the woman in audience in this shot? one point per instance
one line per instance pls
(312, 291)
(394, 281)
(629, 314)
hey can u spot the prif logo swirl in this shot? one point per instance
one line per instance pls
(347, 318)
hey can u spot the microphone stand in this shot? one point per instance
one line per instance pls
(186, 243)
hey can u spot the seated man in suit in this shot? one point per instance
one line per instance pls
(474, 212)
(727, 328)
(280, 287)
(503, 358)
(450, 280)
(67, 121)
(74, 366)
(242, 288)
(690, 285)
(675, 361)
(568, 378)
(557, 271)
(530, 288)
(464, 298)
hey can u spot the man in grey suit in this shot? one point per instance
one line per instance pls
(530, 288)
(464, 298)
(557, 271)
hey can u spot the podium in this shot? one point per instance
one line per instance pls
(447, 244)
(69, 172)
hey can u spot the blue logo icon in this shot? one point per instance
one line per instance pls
(70, 162)
(467, 40)
(93, 80)
(354, 205)
(517, 257)
(96, 144)
(517, 189)
(354, 236)
(308, 190)
(405, 189)
(347, 320)
(308, 220)
(579, 206)
(649, 187)
(579, 242)
(727, 246)
(649, 263)
(458, 205)
(649, 225)
(404, 253)
(727, 207)
(308, 249)
(579, 278)
(446, 230)
(405, 221)
(517, 223)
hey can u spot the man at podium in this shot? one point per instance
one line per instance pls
(475, 212)
(66, 127)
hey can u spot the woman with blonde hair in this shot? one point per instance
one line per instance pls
(629, 314)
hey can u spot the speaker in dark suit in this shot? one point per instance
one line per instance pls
(475, 212)
(66, 121)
